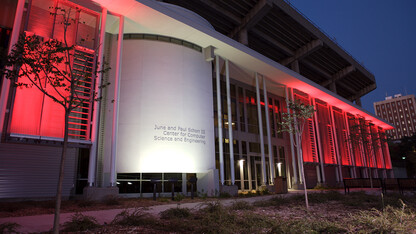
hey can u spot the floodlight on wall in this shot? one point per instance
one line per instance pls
(241, 162)
(279, 168)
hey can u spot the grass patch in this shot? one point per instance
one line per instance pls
(307, 225)
(175, 213)
(323, 197)
(136, 217)
(274, 201)
(80, 223)
(241, 205)
(389, 220)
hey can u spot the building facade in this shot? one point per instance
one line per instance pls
(185, 101)
(400, 111)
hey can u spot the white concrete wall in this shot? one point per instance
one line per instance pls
(164, 86)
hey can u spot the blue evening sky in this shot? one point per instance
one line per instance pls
(381, 34)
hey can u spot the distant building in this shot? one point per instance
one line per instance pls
(400, 111)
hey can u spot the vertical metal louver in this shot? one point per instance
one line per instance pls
(312, 141)
(331, 144)
(79, 119)
(346, 149)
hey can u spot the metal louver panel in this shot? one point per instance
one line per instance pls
(32, 171)
(346, 149)
(312, 141)
(79, 119)
(332, 157)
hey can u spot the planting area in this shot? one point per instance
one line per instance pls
(330, 212)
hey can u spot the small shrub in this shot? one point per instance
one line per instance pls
(215, 218)
(202, 194)
(111, 200)
(264, 191)
(80, 222)
(241, 205)
(175, 213)
(179, 197)
(248, 194)
(9, 227)
(136, 217)
(163, 199)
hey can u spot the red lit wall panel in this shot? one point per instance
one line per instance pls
(342, 138)
(40, 18)
(368, 143)
(357, 149)
(33, 113)
(377, 147)
(27, 110)
(326, 133)
(308, 140)
(385, 149)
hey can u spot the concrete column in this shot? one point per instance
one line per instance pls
(230, 122)
(269, 136)
(113, 174)
(292, 142)
(334, 133)
(5, 88)
(219, 112)
(95, 116)
(263, 161)
(318, 139)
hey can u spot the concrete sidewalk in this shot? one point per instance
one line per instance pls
(44, 223)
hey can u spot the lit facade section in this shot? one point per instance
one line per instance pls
(168, 87)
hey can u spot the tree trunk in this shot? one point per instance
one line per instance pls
(61, 176)
(302, 172)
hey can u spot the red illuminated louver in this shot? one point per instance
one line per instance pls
(332, 158)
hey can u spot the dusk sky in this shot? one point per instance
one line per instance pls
(381, 34)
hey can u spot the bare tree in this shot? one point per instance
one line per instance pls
(361, 134)
(295, 123)
(47, 65)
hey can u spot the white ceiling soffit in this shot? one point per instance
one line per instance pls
(148, 16)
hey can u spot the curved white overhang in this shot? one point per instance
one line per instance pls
(148, 16)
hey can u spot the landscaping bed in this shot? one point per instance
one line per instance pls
(330, 212)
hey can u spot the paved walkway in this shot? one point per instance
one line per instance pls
(43, 223)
